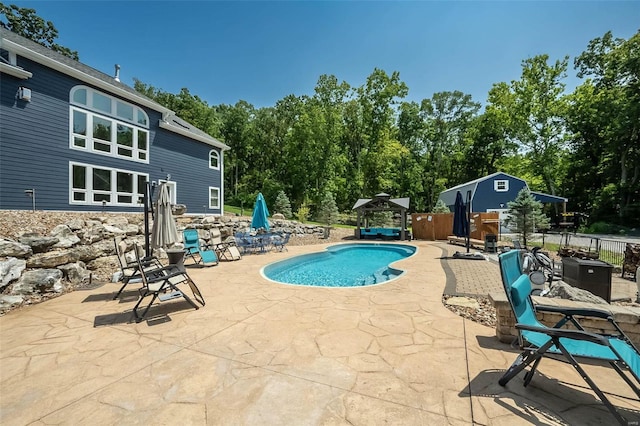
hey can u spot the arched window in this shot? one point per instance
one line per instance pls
(214, 159)
(105, 125)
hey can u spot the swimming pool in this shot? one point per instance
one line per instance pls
(342, 265)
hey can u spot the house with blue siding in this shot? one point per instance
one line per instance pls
(80, 140)
(492, 193)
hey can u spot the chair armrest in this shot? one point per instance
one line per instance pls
(167, 273)
(568, 334)
(596, 313)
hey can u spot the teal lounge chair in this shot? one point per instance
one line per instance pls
(539, 341)
(192, 249)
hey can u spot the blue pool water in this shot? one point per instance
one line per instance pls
(343, 265)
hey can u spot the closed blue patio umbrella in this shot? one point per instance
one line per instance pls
(260, 214)
(460, 219)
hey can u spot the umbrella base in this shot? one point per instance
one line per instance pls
(471, 256)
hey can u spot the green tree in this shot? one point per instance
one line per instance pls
(524, 215)
(328, 212)
(441, 207)
(606, 121)
(282, 205)
(24, 21)
(445, 120)
(533, 110)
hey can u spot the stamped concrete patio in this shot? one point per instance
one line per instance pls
(266, 353)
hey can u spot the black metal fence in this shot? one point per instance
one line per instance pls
(611, 251)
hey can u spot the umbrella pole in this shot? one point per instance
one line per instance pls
(468, 214)
(147, 247)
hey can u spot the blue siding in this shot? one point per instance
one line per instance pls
(486, 197)
(35, 153)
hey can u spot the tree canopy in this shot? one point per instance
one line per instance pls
(353, 142)
(25, 22)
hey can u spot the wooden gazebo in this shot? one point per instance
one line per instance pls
(381, 202)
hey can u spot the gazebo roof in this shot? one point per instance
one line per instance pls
(400, 203)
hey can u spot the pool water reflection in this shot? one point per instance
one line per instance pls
(342, 265)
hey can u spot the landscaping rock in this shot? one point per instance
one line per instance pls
(52, 259)
(14, 249)
(563, 290)
(7, 302)
(67, 238)
(76, 273)
(10, 270)
(39, 281)
(38, 243)
(466, 302)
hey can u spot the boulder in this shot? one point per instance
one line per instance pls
(10, 270)
(110, 230)
(119, 222)
(562, 290)
(87, 253)
(92, 234)
(39, 281)
(278, 216)
(8, 301)
(75, 273)
(14, 249)
(67, 238)
(131, 229)
(52, 259)
(75, 224)
(38, 243)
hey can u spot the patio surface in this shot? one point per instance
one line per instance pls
(267, 353)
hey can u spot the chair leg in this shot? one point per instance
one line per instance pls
(523, 360)
(144, 314)
(591, 383)
(124, 284)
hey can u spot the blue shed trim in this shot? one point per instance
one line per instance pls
(484, 195)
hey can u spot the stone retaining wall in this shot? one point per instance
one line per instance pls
(627, 319)
(80, 251)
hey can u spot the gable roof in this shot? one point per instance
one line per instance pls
(29, 49)
(402, 203)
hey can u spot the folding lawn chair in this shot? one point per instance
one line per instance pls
(226, 250)
(538, 340)
(130, 270)
(191, 241)
(161, 284)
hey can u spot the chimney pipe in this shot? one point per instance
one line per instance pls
(117, 77)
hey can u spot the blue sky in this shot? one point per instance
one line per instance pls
(263, 51)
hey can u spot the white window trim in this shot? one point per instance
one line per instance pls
(173, 192)
(113, 144)
(89, 191)
(209, 195)
(497, 183)
(217, 155)
(114, 106)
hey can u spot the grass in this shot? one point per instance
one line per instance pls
(236, 210)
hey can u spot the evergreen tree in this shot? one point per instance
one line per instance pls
(525, 215)
(283, 205)
(328, 212)
(441, 207)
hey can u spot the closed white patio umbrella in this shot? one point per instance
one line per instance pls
(164, 232)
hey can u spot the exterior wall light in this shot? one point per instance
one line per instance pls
(24, 94)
